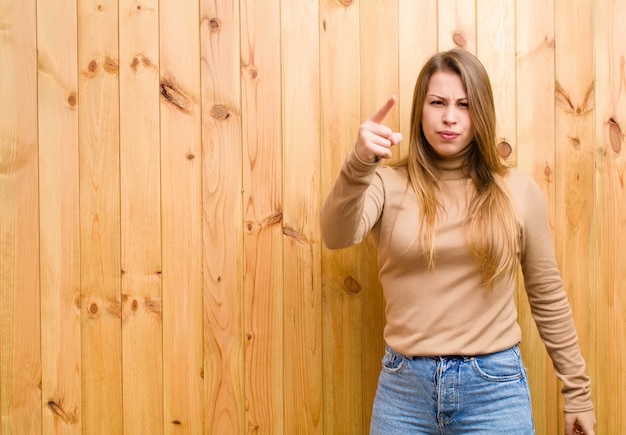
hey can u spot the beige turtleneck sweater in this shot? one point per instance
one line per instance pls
(447, 310)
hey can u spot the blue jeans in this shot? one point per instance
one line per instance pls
(486, 394)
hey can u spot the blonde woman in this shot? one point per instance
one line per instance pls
(451, 223)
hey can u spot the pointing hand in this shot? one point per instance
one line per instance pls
(375, 139)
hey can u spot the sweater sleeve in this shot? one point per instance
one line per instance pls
(549, 303)
(353, 205)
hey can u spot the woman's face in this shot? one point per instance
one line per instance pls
(446, 121)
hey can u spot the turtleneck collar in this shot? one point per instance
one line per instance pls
(455, 167)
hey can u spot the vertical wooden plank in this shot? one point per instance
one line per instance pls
(417, 41)
(575, 105)
(457, 24)
(142, 349)
(59, 217)
(301, 148)
(495, 46)
(263, 215)
(181, 214)
(20, 354)
(222, 226)
(341, 270)
(606, 357)
(99, 217)
(536, 155)
(379, 79)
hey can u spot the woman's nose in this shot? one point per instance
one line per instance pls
(449, 116)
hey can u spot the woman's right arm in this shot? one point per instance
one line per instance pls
(355, 202)
(353, 205)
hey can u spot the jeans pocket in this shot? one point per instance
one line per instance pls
(393, 362)
(502, 366)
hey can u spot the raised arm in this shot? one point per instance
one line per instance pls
(355, 201)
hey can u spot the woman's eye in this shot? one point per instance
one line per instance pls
(464, 104)
(436, 103)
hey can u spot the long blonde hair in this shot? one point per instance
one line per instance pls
(491, 227)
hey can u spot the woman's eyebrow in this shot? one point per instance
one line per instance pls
(445, 98)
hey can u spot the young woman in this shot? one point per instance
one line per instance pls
(451, 223)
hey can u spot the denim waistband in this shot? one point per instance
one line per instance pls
(450, 357)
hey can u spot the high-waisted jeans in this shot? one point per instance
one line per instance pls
(486, 394)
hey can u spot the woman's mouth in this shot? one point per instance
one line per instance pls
(448, 135)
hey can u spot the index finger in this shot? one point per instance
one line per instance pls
(382, 113)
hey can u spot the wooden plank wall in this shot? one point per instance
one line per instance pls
(162, 166)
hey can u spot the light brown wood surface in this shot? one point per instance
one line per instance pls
(303, 353)
(535, 133)
(222, 211)
(100, 231)
(181, 217)
(162, 169)
(20, 319)
(59, 222)
(341, 270)
(140, 218)
(607, 312)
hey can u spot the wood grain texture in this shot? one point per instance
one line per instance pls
(59, 223)
(379, 79)
(342, 279)
(175, 243)
(535, 152)
(100, 217)
(181, 214)
(456, 24)
(417, 41)
(140, 195)
(222, 218)
(575, 175)
(608, 302)
(262, 216)
(495, 46)
(20, 354)
(301, 202)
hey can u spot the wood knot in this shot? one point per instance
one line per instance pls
(615, 135)
(72, 99)
(190, 156)
(92, 67)
(253, 73)
(351, 285)
(294, 234)
(459, 39)
(215, 24)
(99, 7)
(547, 172)
(111, 65)
(115, 309)
(140, 61)
(93, 309)
(153, 306)
(220, 112)
(504, 149)
(58, 411)
(574, 141)
(346, 3)
(175, 96)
